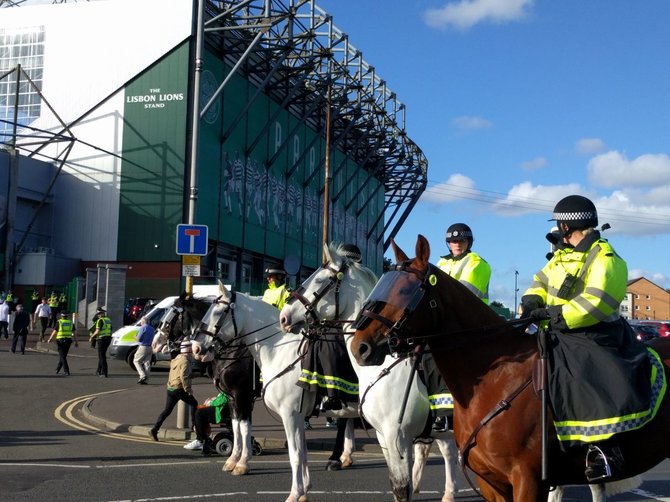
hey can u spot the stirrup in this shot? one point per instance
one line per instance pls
(597, 465)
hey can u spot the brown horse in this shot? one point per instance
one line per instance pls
(487, 364)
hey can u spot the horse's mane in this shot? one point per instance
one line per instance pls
(337, 251)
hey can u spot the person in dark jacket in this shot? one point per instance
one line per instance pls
(20, 328)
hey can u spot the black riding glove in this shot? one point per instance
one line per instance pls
(541, 314)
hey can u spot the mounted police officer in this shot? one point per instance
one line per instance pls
(463, 264)
(471, 270)
(597, 371)
(276, 293)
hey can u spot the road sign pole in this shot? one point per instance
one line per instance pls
(182, 417)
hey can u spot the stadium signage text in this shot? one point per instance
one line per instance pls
(155, 98)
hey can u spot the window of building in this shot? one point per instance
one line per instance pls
(637, 297)
(24, 46)
(648, 297)
(647, 308)
(637, 307)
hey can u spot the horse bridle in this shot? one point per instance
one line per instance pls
(334, 281)
(395, 329)
(166, 324)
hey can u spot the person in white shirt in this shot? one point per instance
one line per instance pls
(43, 313)
(4, 318)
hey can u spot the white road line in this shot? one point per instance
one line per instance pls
(68, 466)
(651, 495)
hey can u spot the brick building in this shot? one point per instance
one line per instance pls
(645, 301)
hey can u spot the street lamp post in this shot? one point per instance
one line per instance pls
(516, 290)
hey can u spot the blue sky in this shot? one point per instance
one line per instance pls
(518, 103)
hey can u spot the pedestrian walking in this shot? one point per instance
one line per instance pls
(43, 313)
(4, 318)
(144, 352)
(64, 333)
(103, 336)
(20, 328)
(178, 386)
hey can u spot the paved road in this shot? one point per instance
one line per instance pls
(50, 449)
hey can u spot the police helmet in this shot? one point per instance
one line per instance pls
(351, 252)
(63, 314)
(576, 212)
(275, 270)
(458, 232)
(101, 310)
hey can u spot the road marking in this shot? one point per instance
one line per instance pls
(68, 466)
(653, 496)
(65, 413)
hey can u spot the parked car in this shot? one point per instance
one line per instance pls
(124, 345)
(663, 327)
(134, 309)
(643, 332)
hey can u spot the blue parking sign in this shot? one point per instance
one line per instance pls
(192, 239)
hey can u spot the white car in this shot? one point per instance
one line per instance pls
(124, 345)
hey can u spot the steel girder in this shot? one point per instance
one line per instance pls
(293, 52)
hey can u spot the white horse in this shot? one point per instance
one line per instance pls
(339, 289)
(237, 316)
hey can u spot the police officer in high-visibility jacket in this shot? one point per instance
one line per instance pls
(277, 293)
(64, 333)
(463, 264)
(597, 371)
(471, 270)
(103, 336)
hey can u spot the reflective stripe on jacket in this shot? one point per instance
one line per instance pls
(104, 324)
(471, 270)
(65, 327)
(600, 285)
(276, 295)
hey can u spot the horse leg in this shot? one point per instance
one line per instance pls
(398, 453)
(349, 443)
(234, 457)
(294, 427)
(421, 452)
(448, 449)
(242, 466)
(339, 455)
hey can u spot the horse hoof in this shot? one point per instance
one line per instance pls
(334, 465)
(303, 498)
(228, 466)
(240, 470)
(346, 463)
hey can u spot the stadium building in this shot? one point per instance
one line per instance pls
(102, 154)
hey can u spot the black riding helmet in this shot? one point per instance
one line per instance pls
(459, 231)
(577, 212)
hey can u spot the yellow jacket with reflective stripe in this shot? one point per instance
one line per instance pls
(471, 270)
(64, 329)
(104, 324)
(601, 284)
(276, 295)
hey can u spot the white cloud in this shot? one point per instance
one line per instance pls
(457, 187)
(614, 169)
(470, 123)
(466, 13)
(655, 277)
(589, 146)
(535, 164)
(527, 198)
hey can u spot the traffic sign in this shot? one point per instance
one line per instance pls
(190, 265)
(192, 239)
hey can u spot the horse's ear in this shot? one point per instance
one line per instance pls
(422, 249)
(400, 255)
(326, 252)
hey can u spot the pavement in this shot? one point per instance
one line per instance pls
(134, 409)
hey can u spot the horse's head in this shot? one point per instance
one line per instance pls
(414, 303)
(335, 291)
(180, 323)
(215, 317)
